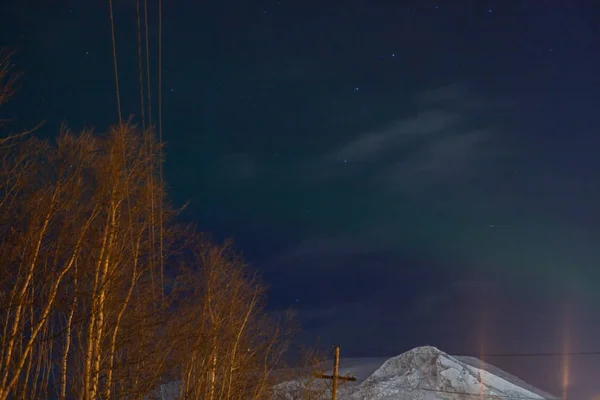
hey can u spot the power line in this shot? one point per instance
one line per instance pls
(152, 233)
(114, 49)
(140, 70)
(549, 354)
(515, 354)
(148, 64)
(160, 141)
(121, 126)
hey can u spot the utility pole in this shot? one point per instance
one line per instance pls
(335, 377)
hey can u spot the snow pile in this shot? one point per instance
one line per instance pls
(426, 373)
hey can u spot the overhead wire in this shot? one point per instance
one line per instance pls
(149, 91)
(141, 74)
(151, 169)
(499, 396)
(114, 50)
(121, 125)
(160, 142)
(481, 395)
(533, 354)
(518, 354)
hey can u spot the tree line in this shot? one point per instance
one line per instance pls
(87, 308)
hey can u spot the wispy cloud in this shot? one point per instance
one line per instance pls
(402, 132)
(448, 159)
(439, 149)
(441, 143)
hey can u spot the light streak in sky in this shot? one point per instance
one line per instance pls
(566, 358)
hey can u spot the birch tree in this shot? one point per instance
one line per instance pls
(76, 254)
(228, 346)
(86, 310)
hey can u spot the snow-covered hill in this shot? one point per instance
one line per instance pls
(424, 373)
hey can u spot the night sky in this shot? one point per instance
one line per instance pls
(409, 174)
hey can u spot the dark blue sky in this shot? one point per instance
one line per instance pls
(423, 173)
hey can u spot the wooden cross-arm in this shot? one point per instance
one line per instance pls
(340, 377)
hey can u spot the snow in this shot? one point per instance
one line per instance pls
(423, 373)
(426, 373)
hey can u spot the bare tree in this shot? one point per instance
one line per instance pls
(228, 347)
(8, 77)
(75, 254)
(82, 312)
(44, 232)
(121, 305)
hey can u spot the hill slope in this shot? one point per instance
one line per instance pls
(426, 373)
